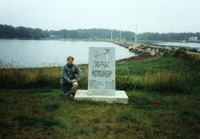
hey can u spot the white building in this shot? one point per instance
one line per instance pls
(193, 38)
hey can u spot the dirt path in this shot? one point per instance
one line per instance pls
(193, 53)
(141, 57)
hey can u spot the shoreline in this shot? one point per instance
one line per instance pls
(144, 52)
(139, 58)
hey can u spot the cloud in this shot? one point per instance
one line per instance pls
(151, 15)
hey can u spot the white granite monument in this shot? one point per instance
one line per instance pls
(101, 77)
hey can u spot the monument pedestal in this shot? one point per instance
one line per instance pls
(119, 97)
(101, 77)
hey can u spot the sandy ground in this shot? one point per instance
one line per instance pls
(141, 57)
(193, 53)
(145, 57)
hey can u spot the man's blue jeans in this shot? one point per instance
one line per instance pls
(66, 87)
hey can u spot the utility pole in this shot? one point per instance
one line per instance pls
(111, 36)
(120, 35)
(170, 36)
(135, 36)
(63, 34)
(79, 34)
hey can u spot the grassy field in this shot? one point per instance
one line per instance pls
(164, 102)
(41, 113)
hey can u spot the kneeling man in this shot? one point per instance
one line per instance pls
(68, 81)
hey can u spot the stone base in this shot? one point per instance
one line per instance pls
(120, 97)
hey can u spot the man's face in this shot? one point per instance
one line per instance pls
(70, 61)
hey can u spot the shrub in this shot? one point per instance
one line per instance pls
(180, 51)
(193, 50)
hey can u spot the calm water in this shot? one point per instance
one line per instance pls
(178, 45)
(45, 53)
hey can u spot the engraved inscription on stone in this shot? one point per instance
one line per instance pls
(101, 73)
(101, 78)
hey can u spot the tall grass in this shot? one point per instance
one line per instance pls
(3, 64)
(164, 81)
(33, 78)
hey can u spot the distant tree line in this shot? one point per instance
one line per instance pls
(168, 36)
(7, 31)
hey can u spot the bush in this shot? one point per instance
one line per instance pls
(193, 50)
(180, 51)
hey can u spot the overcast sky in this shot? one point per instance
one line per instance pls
(150, 15)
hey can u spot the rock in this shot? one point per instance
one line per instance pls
(142, 48)
(148, 50)
(153, 52)
(130, 48)
(157, 51)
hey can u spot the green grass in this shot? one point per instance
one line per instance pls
(28, 113)
(164, 102)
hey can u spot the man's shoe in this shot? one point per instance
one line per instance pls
(72, 95)
(65, 95)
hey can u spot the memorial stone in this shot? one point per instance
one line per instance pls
(101, 76)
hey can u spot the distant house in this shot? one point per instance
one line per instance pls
(54, 36)
(193, 38)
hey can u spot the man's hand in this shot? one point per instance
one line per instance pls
(74, 80)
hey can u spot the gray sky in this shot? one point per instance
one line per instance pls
(151, 15)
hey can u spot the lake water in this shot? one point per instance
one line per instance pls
(177, 45)
(47, 53)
